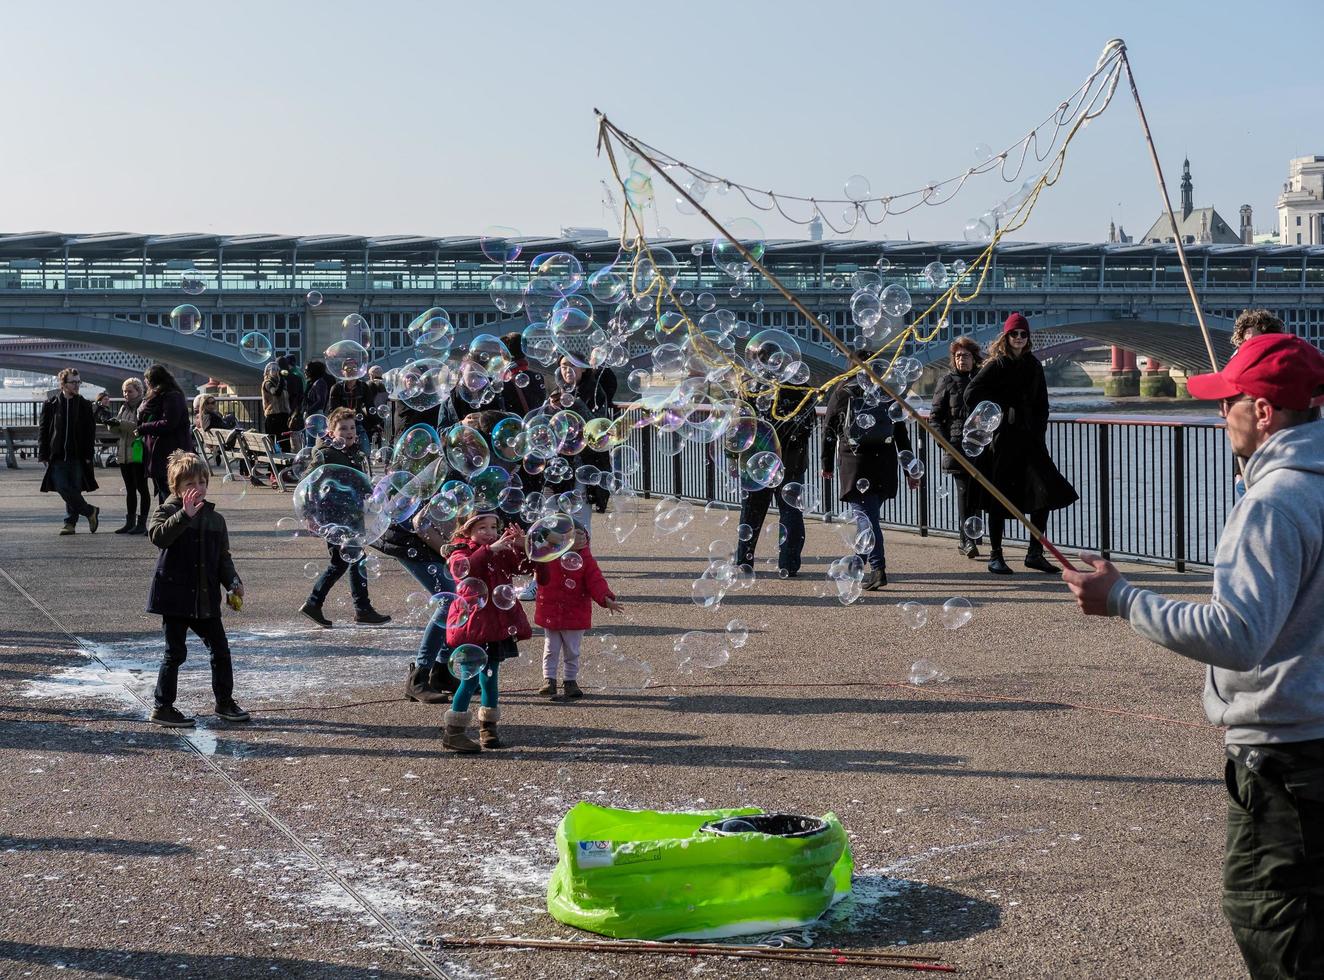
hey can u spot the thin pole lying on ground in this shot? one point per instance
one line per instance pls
(605, 125)
(832, 957)
(1172, 218)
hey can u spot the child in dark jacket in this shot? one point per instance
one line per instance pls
(567, 590)
(340, 447)
(482, 560)
(186, 590)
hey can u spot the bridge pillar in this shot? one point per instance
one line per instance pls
(1157, 382)
(1123, 380)
(322, 328)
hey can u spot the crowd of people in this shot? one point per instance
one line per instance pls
(1259, 634)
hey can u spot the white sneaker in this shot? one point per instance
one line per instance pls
(529, 592)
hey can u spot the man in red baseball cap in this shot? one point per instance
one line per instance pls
(1262, 635)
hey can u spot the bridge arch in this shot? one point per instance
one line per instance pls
(196, 352)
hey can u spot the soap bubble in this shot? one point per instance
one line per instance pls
(186, 319)
(466, 661)
(314, 427)
(706, 592)
(561, 272)
(857, 188)
(346, 360)
(506, 293)
(255, 348)
(980, 230)
(625, 460)
(504, 597)
(466, 449)
(671, 515)
(550, 537)
(192, 282)
(432, 334)
(313, 298)
(705, 301)
(863, 485)
(572, 561)
(337, 500)
(923, 671)
(936, 274)
(973, 528)
(727, 257)
(356, 328)
(793, 495)
(761, 470)
(913, 614)
(417, 442)
(312, 569)
(895, 300)
(986, 415)
(956, 612)
(771, 354)
(737, 634)
(497, 243)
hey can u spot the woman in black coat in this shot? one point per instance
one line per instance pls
(165, 425)
(950, 409)
(863, 442)
(1017, 461)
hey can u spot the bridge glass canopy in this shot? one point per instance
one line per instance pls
(117, 262)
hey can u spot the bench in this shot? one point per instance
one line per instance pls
(20, 439)
(264, 456)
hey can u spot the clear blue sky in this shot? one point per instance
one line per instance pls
(443, 118)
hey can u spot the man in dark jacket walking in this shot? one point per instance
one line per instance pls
(66, 443)
(793, 435)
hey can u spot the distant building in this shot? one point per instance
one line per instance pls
(1117, 234)
(816, 229)
(1301, 204)
(1197, 226)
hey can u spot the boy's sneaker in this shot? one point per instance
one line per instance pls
(314, 612)
(231, 712)
(572, 691)
(548, 689)
(66, 528)
(529, 592)
(94, 520)
(170, 718)
(371, 617)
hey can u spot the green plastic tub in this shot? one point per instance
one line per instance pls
(647, 874)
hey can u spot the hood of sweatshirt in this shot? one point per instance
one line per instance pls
(1299, 448)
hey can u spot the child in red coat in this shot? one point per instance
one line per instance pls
(567, 590)
(481, 559)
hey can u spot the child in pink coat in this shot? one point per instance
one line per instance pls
(567, 589)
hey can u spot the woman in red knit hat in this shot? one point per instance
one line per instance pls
(1017, 461)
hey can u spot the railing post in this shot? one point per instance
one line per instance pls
(709, 476)
(1104, 470)
(647, 433)
(1179, 497)
(678, 470)
(924, 485)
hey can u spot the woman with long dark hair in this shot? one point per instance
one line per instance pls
(1017, 461)
(950, 409)
(164, 424)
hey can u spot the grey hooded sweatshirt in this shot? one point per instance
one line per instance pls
(1262, 632)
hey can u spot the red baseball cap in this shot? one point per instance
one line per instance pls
(1282, 368)
(1016, 321)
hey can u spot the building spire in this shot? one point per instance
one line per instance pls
(1187, 190)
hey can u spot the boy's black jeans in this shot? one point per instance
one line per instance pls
(212, 634)
(1273, 867)
(358, 580)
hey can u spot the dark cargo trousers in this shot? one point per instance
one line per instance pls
(1273, 867)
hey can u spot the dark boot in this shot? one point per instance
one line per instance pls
(441, 680)
(573, 692)
(969, 549)
(487, 728)
(94, 520)
(548, 689)
(313, 610)
(454, 737)
(997, 566)
(417, 687)
(129, 524)
(1037, 561)
(371, 617)
(141, 526)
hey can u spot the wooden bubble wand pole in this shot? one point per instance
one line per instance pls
(1167, 203)
(606, 126)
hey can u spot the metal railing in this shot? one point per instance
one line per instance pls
(247, 410)
(1150, 489)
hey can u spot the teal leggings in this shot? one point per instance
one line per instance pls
(485, 682)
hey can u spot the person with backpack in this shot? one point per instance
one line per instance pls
(863, 442)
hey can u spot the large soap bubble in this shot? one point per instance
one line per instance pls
(466, 449)
(336, 502)
(346, 360)
(467, 661)
(186, 319)
(550, 537)
(255, 347)
(772, 354)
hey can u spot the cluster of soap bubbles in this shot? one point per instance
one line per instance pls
(955, 614)
(980, 426)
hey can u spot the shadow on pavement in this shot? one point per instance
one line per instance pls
(116, 963)
(94, 845)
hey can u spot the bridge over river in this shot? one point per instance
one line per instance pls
(115, 291)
